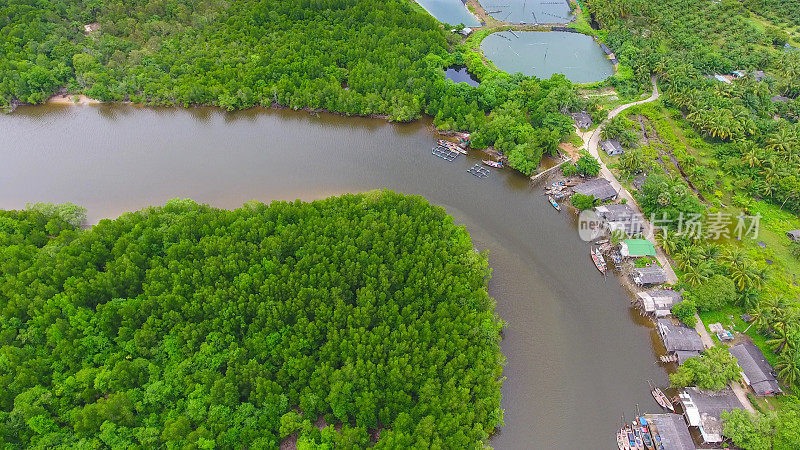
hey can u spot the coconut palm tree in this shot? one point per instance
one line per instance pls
(789, 366)
(733, 256)
(695, 276)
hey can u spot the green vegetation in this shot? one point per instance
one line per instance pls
(714, 149)
(587, 164)
(364, 57)
(685, 312)
(714, 369)
(765, 431)
(582, 201)
(188, 326)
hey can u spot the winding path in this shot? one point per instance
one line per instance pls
(591, 140)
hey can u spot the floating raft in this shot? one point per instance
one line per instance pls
(479, 171)
(444, 153)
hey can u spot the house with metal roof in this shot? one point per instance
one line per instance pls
(679, 340)
(649, 276)
(793, 235)
(599, 188)
(703, 409)
(756, 371)
(635, 248)
(658, 302)
(612, 147)
(672, 430)
(582, 120)
(621, 217)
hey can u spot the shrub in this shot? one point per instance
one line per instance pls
(714, 369)
(588, 165)
(685, 311)
(582, 202)
(715, 293)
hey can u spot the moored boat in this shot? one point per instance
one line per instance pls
(554, 203)
(622, 439)
(661, 398)
(599, 261)
(491, 163)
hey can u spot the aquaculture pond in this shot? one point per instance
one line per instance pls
(453, 12)
(545, 53)
(578, 355)
(527, 11)
(460, 74)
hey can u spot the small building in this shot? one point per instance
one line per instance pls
(703, 410)
(673, 431)
(612, 147)
(649, 276)
(780, 99)
(793, 235)
(599, 188)
(582, 120)
(466, 31)
(679, 340)
(658, 302)
(636, 248)
(756, 371)
(621, 217)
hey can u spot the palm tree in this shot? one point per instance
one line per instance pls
(733, 256)
(669, 242)
(789, 366)
(695, 276)
(742, 274)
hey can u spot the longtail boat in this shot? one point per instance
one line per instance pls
(554, 203)
(660, 397)
(598, 259)
(493, 163)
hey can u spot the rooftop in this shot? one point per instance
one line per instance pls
(673, 431)
(679, 337)
(793, 235)
(638, 247)
(659, 301)
(703, 409)
(582, 119)
(612, 147)
(758, 373)
(600, 188)
(649, 275)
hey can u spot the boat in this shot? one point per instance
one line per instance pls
(660, 397)
(554, 203)
(657, 440)
(491, 163)
(622, 439)
(452, 146)
(631, 437)
(598, 259)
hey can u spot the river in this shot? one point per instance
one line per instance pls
(577, 354)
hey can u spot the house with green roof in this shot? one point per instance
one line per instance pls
(635, 248)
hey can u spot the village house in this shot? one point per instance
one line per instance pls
(599, 188)
(756, 371)
(649, 276)
(703, 409)
(621, 217)
(673, 431)
(636, 248)
(612, 147)
(679, 340)
(658, 302)
(582, 120)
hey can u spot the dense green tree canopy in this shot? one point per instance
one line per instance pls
(191, 326)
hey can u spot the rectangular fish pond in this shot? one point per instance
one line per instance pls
(544, 53)
(529, 11)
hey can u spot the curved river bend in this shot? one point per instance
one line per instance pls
(578, 356)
